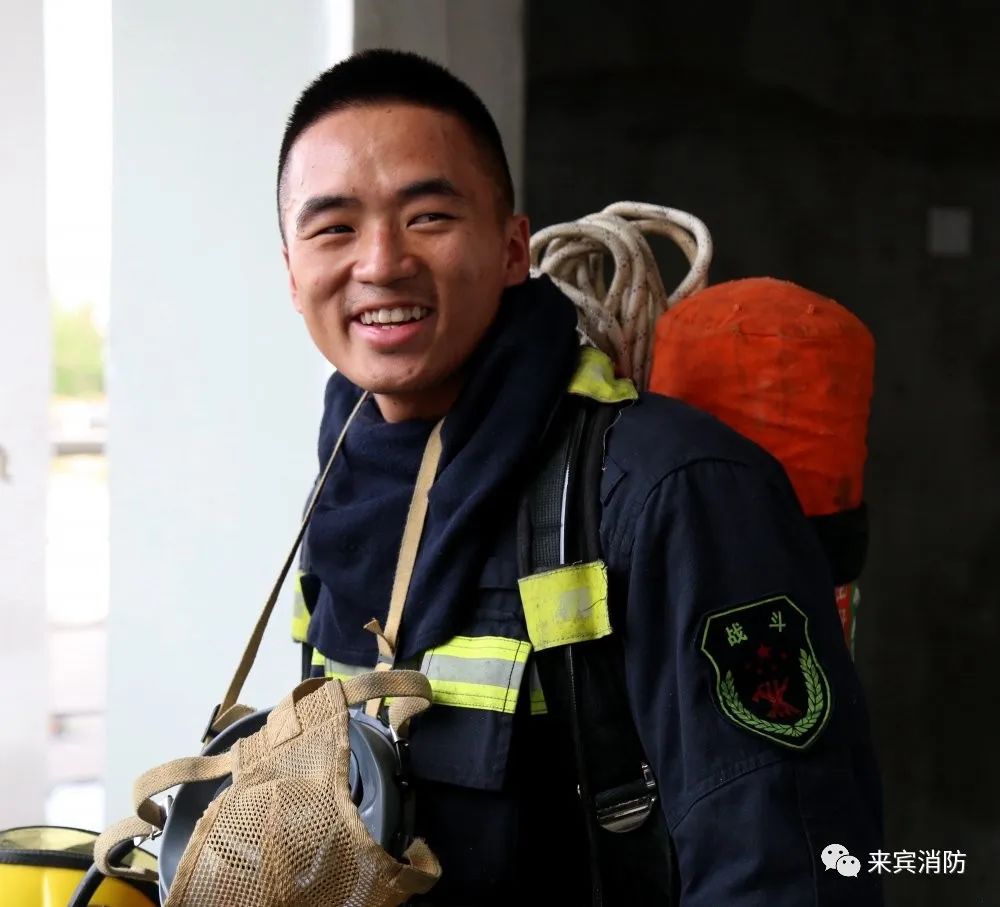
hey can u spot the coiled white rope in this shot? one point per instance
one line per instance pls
(619, 318)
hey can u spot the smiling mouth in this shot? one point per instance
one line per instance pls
(389, 317)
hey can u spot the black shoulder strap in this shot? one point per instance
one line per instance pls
(584, 683)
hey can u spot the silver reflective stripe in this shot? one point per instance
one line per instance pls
(490, 671)
(340, 670)
(337, 669)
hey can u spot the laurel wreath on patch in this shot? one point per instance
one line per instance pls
(814, 706)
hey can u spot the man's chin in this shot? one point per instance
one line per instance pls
(391, 386)
(410, 396)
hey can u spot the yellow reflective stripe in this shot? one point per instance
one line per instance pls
(595, 378)
(497, 647)
(537, 697)
(477, 672)
(300, 615)
(566, 605)
(475, 696)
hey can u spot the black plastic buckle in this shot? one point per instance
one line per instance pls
(402, 746)
(404, 837)
(208, 735)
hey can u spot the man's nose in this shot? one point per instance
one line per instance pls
(383, 257)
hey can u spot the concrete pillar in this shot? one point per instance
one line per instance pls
(215, 389)
(482, 43)
(24, 393)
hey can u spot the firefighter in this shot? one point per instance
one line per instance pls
(410, 267)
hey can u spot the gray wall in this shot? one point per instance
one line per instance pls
(480, 42)
(813, 144)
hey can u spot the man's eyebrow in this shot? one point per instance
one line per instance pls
(320, 203)
(434, 186)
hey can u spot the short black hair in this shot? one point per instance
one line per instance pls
(394, 75)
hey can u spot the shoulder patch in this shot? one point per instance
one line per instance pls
(767, 679)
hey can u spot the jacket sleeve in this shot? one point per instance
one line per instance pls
(749, 815)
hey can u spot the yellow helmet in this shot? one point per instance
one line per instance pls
(41, 866)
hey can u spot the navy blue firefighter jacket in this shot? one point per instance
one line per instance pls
(723, 600)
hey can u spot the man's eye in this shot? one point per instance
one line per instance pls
(431, 217)
(338, 228)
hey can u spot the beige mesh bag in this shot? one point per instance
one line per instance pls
(286, 832)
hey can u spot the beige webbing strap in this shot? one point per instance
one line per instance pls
(403, 708)
(185, 770)
(408, 547)
(421, 870)
(228, 711)
(410, 691)
(150, 816)
(378, 685)
(125, 830)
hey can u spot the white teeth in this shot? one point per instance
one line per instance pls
(394, 316)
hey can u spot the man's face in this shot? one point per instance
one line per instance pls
(397, 251)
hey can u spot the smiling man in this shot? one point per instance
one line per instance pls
(398, 248)
(657, 709)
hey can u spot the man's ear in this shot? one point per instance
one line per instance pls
(292, 286)
(518, 250)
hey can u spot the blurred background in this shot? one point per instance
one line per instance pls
(159, 398)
